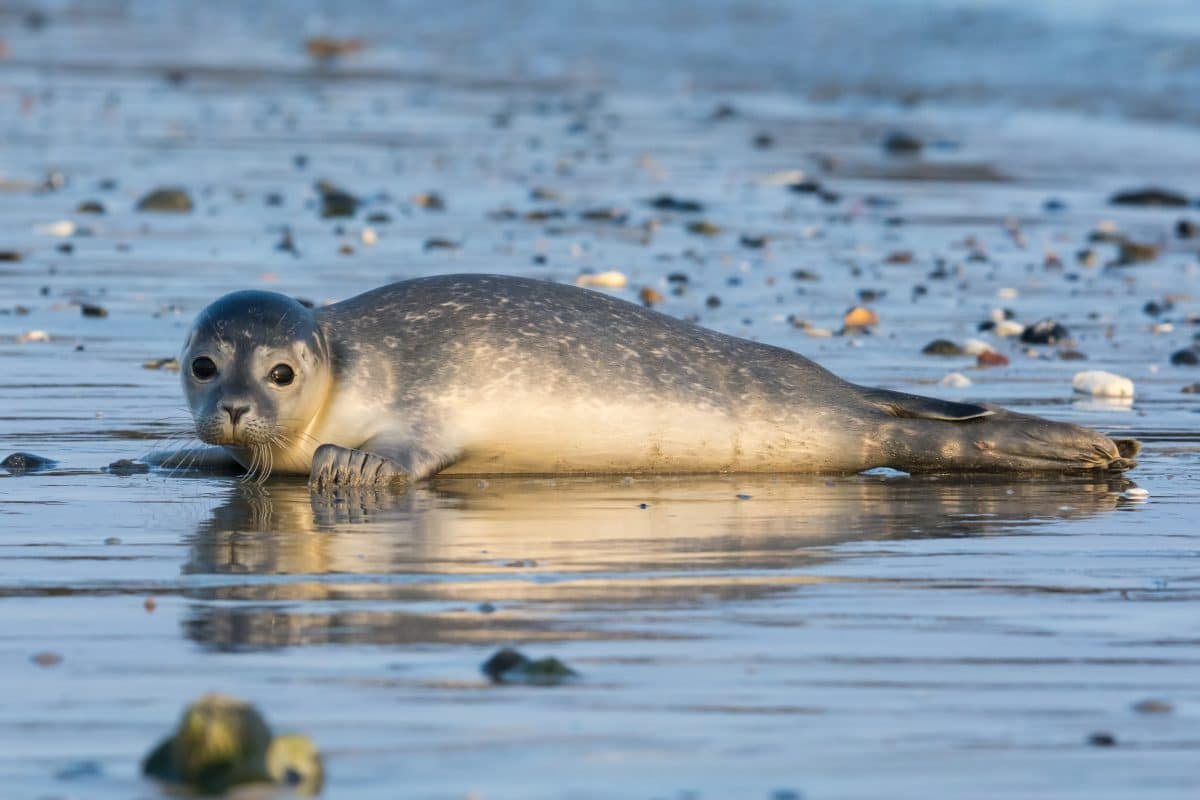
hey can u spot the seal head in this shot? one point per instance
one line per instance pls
(256, 373)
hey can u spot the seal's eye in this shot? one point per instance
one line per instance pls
(282, 375)
(203, 368)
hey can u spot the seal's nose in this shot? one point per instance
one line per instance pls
(235, 412)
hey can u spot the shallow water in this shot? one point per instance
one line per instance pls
(739, 637)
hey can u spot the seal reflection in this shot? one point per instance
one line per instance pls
(556, 558)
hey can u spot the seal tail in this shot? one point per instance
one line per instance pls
(934, 435)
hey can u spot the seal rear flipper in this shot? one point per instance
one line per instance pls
(915, 406)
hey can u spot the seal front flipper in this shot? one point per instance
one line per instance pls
(202, 459)
(343, 466)
(915, 406)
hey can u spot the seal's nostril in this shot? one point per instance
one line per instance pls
(235, 412)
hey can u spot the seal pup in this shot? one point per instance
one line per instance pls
(487, 374)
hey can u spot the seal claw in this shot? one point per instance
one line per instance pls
(343, 466)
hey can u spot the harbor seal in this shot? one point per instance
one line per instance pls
(487, 374)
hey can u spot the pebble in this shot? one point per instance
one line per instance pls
(1102, 384)
(33, 336)
(650, 296)
(667, 202)
(1149, 196)
(166, 199)
(369, 237)
(704, 228)
(90, 310)
(512, 666)
(430, 201)
(324, 48)
(438, 243)
(902, 143)
(60, 229)
(19, 463)
(1131, 252)
(335, 201)
(1102, 739)
(1185, 358)
(10, 255)
(46, 658)
(991, 359)
(90, 207)
(1153, 706)
(126, 467)
(1046, 331)
(1186, 229)
(169, 364)
(1193, 388)
(752, 242)
(611, 279)
(942, 347)
(860, 317)
(955, 380)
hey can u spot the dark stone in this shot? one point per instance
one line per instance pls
(511, 666)
(89, 310)
(1185, 358)
(1102, 739)
(90, 207)
(667, 202)
(20, 463)
(942, 347)
(1193, 388)
(753, 242)
(713, 301)
(438, 243)
(804, 275)
(1149, 196)
(1186, 229)
(336, 202)
(126, 467)
(10, 255)
(166, 200)
(805, 187)
(1054, 205)
(1046, 331)
(902, 143)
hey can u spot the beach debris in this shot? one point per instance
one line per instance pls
(942, 347)
(20, 463)
(1136, 493)
(1131, 252)
(1046, 331)
(168, 364)
(991, 359)
(369, 237)
(33, 336)
(1185, 358)
(335, 201)
(610, 279)
(1149, 196)
(430, 201)
(668, 202)
(90, 207)
(887, 473)
(650, 296)
(222, 743)
(327, 48)
(46, 658)
(902, 143)
(1152, 705)
(125, 467)
(955, 380)
(1102, 384)
(60, 229)
(704, 228)
(860, 317)
(166, 200)
(512, 666)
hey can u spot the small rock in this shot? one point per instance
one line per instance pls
(609, 214)
(325, 48)
(991, 359)
(169, 364)
(89, 310)
(650, 297)
(806, 186)
(955, 380)
(1102, 739)
(1186, 229)
(902, 143)
(1193, 388)
(942, 347)
(611, 279)
(1153, 706)
(712, 301)
(1185, 358)
(1149, 196)
(335, 201)
(126, 466)
(167, 199)
(20, 463)
(1131, 252)
(46, 658)
(438, 243)
(1046, 331)
(900, 257)
(90, 207)
(33, 336)
(752, 242)
(10, 255)
(804, 275)
(369, 237)
(511, 666)
(1136, 493)
(79, 770)
(860, 317)
(1102, 384)
(1071, 355)
(149, 604)
(763, 141)
(704, 228)
(430, 201)
(723, 111)
(667, 202)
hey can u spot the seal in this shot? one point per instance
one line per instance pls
(488, 374)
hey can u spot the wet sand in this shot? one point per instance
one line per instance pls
(748, 637)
